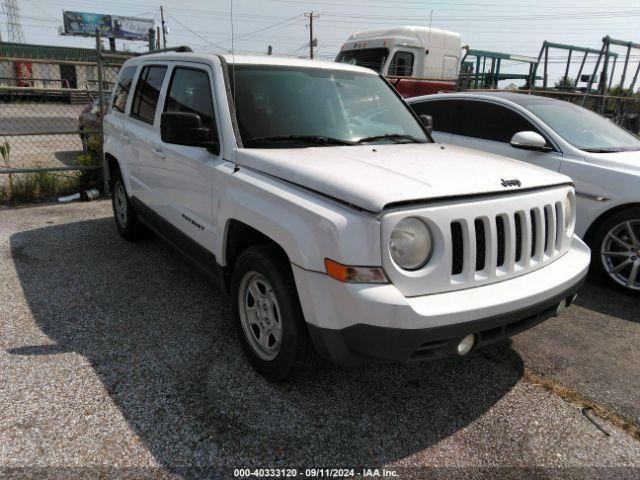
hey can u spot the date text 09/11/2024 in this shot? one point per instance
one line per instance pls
(314, 473)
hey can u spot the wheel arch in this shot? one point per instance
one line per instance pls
(112, 166)
(240, 236)
(588, 236)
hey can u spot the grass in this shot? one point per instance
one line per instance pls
(37, 187)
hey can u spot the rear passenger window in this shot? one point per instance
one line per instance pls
(488, 121)
(147, 93)
(123, 86)
(190, 91)
(440, 110)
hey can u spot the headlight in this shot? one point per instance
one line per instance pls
(569, 214)
(411, 244)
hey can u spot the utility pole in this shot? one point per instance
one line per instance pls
(311, 16)
(164, 29)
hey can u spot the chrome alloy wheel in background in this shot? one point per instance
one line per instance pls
(620, 254)
(260, 315)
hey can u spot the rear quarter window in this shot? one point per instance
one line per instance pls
(121, 92)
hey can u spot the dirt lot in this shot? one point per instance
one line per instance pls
(119, 360)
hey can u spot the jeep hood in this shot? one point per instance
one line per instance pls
(374, 176)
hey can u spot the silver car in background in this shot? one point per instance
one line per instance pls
(602, 159)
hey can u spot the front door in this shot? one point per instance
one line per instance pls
(187, 175)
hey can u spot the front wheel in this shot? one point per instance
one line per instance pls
(616, 250)
(268, 316)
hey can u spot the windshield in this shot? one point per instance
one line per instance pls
(583, 128)
(373, 58)
(326, 107)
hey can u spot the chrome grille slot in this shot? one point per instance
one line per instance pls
(457, 248)
(481, 244)
(534, 232)
(559, 225)
(500, 231)
(518, 224)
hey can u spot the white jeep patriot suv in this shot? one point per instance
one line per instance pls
(319, 200)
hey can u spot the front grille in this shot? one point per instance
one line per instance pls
(499, 244)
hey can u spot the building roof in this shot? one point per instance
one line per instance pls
(52, 52)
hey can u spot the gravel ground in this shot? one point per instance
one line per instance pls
(119, 360)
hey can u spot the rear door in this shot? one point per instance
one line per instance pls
(116, 126)
(488, 126)
(185, 175)
(144, 131)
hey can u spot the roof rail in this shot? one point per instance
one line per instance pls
(180, 49)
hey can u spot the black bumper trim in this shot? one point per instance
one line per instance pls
(361, 343)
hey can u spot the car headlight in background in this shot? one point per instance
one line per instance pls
(569, 214)
(411, 243)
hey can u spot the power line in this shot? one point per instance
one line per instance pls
(198, 35)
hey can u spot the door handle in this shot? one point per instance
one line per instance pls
(158, 152)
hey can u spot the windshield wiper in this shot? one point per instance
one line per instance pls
(318, 139)
(391, 136)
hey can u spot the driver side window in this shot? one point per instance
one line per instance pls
(401, 64)
(190, 92)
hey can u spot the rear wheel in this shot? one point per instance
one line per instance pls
(616, 250)
(268, 316)
(127, 221)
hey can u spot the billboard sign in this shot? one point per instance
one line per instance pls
(132, 28)
(85, 24)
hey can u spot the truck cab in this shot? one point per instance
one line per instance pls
(417, 60)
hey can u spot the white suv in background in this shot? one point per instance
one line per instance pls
(602, 159)
(318, 199)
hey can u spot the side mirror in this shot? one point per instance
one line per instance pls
(427, 121)
(528, 140)
(185, 128)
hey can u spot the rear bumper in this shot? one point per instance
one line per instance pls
(358, 323)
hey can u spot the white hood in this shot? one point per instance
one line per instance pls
(372, 176)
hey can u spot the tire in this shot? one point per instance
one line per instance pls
(273, 334)
(126, 218)
(615, 250)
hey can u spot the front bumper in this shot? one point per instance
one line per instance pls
(353, 324)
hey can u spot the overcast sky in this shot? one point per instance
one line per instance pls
(513, 27)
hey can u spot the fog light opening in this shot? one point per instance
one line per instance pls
(561, 306)
(466, 344)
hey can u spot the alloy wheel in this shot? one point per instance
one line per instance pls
(620, 254)
(260, 315)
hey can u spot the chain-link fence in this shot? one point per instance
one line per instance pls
(51, 124)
